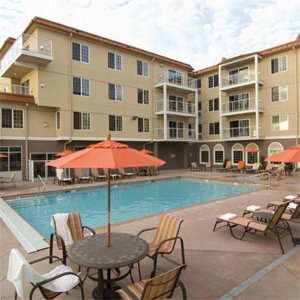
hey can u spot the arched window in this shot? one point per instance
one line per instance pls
(218, 154)
(204, 154)
(274, 148)
(237, 153)
(252, 154)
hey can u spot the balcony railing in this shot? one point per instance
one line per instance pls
(176, 106)
(29, 44)
(240, 105)
(241, 132)
(179, 80)
(15, 89)
(239, 79)
(176, 133)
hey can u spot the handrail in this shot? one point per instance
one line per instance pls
(43, 182)
(259, 174)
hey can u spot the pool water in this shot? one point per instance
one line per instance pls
(127, 201)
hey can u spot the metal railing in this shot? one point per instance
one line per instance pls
(40, 179)
(176, 79)
(15, 89)
(176, 133)
(176, 106)
(29, 44)
(241, 132)
(239, 105)
(240, 78)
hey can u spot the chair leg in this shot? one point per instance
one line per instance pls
(139, 270)
(154, 266)
(51, 248)
(183, 290)
(182, 251)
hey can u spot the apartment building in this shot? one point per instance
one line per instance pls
(65, 88)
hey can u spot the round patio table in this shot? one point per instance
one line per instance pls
(93, 252)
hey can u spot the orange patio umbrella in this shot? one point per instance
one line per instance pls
(146, 151)
(108, 155)
(290, 155)
(2, 155)
(250, 150)
(64, 153)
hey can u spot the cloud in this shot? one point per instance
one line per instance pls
(198, 32)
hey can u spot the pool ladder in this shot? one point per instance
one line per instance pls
(40, 179)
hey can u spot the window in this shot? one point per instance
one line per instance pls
(143, 96)
(238, 76)
(175, 77)
(175, 129)
(25, 87)
(142, 68)
(58, 120)
(239, 128)
(114, 61)
(218, 154)
(204, 154)
(115, 123)
(198, 83)
(280, 123)
(200, 128)
(274, 148)
(213, 81)
(143, 125)
(115, 92)
(81, 86)
(13, 161)
(280, 93)
(80, 52)
(12, 118)
(199, 106)
(237, 153)
(214, 128)
(279, 64)
(82, 121)
(175, 103)
(213, 105)
(239, 102)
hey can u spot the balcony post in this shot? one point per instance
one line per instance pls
(165, 112)
(256, 97)
(220, 103)
(197, 116)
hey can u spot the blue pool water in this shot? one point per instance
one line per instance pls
(127, 201)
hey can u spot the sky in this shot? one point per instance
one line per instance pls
(197, 32)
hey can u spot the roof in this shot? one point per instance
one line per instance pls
(103, 40)
(262, 53)
(6, 45)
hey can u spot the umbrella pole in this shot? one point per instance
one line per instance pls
(108, 208)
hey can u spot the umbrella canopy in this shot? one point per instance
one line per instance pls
(2, 155)
(146, 151)
(64, 153)
(107, 155)
(290, 155)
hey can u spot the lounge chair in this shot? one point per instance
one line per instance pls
(114, 174)
(227, 167)
(153, 170)
(278, 226)
(126, 174)
(61, 178)
(9, 180)
(240, 167)
(194, 167)
(67, 229)
(159, 287)
(60, 280)
(267, 169)
(254, 169)
(80, 177)
(97, 176)
(165, 239)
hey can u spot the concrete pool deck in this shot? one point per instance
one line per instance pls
(218, 266)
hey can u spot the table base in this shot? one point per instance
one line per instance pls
(108, 294)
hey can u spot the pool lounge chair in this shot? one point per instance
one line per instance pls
(166, 236)
(80, 177)
(125, 174)
(227, 167)
(97, 176)
(159, 287)
(254, 169)
(61, 178)
(9, 180)
(194, 167)
(61, 279)
(278, 226)
(67, 229)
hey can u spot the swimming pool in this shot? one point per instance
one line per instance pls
(127, 201)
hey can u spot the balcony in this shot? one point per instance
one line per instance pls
(176, 134)
(15, 89)
(176, 108)
(177, 80)
(241, 133)
(25, 54)
(242, 106)
(238, 80)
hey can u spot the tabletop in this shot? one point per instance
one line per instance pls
(93, 252)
